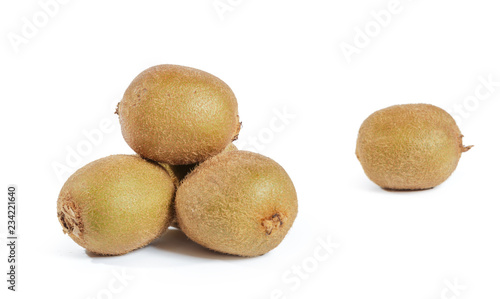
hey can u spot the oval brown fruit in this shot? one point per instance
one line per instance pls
(116, 204)
(409, 147)
(178, 115)
(239, 203)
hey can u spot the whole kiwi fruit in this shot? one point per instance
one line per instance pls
(178, 115)
(239, 203)
(116, 204)
(409, 147)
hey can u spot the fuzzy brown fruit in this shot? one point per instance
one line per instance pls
(409, 147)
(178, 115)
(238, 203)
(116, 204)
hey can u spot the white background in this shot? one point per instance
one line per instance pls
(279, 57)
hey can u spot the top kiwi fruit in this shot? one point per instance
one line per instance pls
(239, 203)
(409, 147)
(178, 115)
(116, 204)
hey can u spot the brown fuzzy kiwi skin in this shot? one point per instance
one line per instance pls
(179, 172)
(239, 203)
(178, 115)
(409, 147)
(116, 204)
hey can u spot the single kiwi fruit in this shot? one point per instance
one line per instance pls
(179, 172)
(239, 203)
(178, 115)
(409, 147)
(116, 204)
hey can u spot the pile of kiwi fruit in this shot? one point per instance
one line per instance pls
(187, 173)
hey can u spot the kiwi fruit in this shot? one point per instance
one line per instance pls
(238, 203)
(116, 204)
(179, 172)
(178, 115)
(409, 147)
